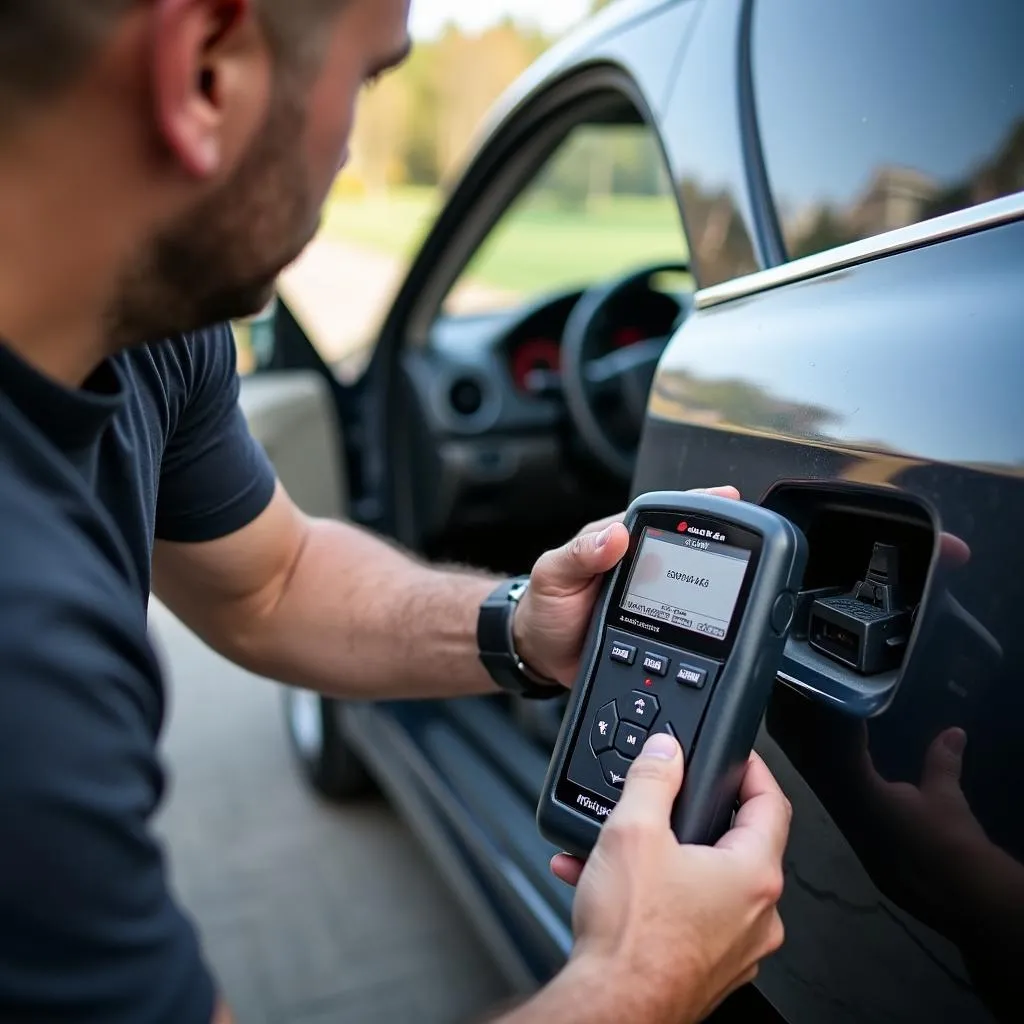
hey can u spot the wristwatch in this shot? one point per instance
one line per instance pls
(497, 646)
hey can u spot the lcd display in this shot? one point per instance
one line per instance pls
(686, 581)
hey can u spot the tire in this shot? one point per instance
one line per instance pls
(328, 763)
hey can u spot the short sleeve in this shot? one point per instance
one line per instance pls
(215, 477)
(88, 929)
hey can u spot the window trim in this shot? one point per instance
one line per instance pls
(770, 245)
(993, 213)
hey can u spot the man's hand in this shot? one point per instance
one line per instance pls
(551, 624)
(693, 922)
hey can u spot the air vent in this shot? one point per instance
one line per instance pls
(466, 396)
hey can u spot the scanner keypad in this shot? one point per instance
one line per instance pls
(662, 691)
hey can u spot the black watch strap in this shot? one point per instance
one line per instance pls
(497, 647)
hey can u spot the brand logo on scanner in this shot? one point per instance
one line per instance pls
(698, 532)
(592, 805)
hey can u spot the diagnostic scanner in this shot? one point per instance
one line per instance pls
(686, 638)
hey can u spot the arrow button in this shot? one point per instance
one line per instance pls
(614, 768)
(639, 708)
(602, 732)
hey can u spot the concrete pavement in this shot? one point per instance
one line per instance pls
(310, 914)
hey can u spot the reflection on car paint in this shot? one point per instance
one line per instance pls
(905, 892)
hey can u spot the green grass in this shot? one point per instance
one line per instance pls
(539, 246)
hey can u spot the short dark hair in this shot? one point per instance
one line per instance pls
(46, 44)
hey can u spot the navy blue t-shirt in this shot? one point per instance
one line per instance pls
(154, 445)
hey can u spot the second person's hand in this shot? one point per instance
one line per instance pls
(673, 930)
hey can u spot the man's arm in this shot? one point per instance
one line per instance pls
(313, 603)
(329, 606)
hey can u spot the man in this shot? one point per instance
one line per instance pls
(160, 162)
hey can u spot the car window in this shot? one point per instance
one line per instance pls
(875, 115)
(601, 205)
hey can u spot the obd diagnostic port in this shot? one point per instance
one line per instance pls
(867, 628)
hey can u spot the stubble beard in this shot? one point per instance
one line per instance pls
(221, 261)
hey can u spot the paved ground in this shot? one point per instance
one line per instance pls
(310, 914)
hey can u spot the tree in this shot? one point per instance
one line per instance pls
(416, 124)
(383, 125)
(471, 72)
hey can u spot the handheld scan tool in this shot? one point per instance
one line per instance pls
(686, 638)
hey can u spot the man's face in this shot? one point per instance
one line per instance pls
(222, 258)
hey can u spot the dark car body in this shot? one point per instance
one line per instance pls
(851, 180)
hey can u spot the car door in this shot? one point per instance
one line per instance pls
(293, 415)
(866, 381)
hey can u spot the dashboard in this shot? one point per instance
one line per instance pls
(533, 349)
(487, 421)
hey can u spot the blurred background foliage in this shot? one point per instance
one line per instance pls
(416, 128)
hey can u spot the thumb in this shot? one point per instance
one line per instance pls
(943, 763)
(573, 566)
(652, 783)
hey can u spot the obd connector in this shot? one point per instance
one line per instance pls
(868, 628)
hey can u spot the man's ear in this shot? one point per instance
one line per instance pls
(211, 79)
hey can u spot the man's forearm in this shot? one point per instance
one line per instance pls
(356, 618)
(589, 993)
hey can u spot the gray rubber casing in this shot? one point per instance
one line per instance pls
(717, 758)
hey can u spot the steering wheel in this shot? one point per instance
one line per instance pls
(606, 393)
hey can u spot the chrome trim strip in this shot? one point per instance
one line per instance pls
(962, 222)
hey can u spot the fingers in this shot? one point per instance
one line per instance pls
(652, 784)
(943, 763)
(764, 816)
(567, 869)
(602, 524)
(596, 549)
(574, 565)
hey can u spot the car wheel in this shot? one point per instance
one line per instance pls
(329, 764)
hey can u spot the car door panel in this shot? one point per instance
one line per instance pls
(892, 375)
(292, 414)
(901, 376)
